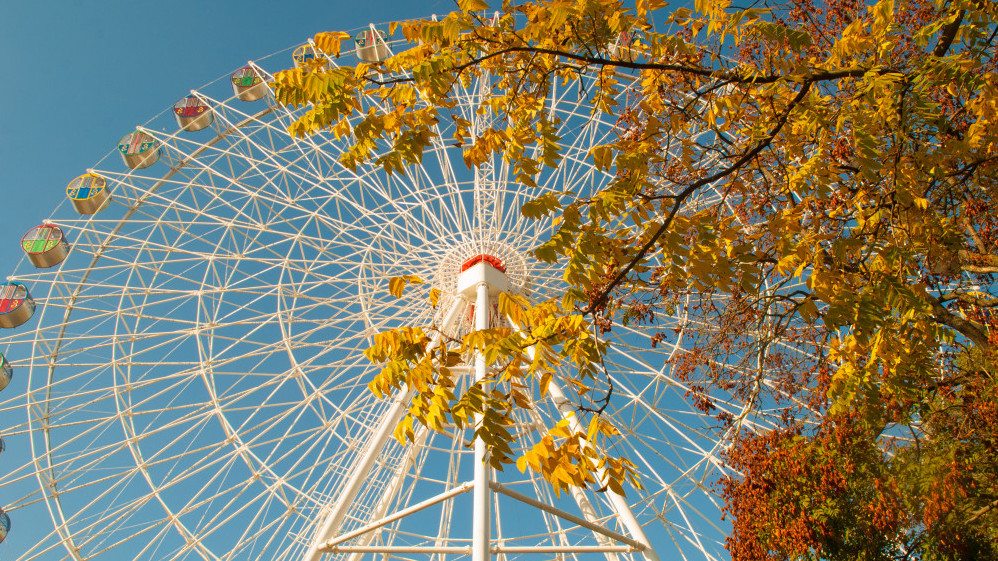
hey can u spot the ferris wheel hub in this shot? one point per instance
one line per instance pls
(482, 269)
(506, 259)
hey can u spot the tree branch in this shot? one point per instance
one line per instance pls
(982, 258)
(586, 60)
(965, 327)
(973, 234)
(979, 270)
(982, 511)
(967, 298)
(947, 35)
(780, 122)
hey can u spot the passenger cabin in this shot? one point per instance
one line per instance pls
(248, 85)
(139, 150)
(6, 375)
(89, 192)
(16, 305)
(304, 54)
(371, 45)
(193, 113)
(45, 245)
(4, 525)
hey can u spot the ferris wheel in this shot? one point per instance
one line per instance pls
(184, 368)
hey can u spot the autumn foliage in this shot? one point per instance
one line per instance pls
(844, 490)
(844, 276)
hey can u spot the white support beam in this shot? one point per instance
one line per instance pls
(619, 503)
(463, 488)
(370, 454)
(481, 519)
(567, 516)
(392, 491)
(465, 550)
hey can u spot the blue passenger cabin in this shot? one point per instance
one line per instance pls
(90, 193)
(6, 375)
(4, 525)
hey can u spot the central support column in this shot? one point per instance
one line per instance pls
(481, 520)
(482, 278)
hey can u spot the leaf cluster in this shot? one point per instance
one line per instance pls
(811, 186)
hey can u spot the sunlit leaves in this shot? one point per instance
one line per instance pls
(541, 206)
(573, 460)
(849, 154)
(396, 285)
(472, 5)
(602, 157)
(778, 34)
(525, 355)
(330, 41)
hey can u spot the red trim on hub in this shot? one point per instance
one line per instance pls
(490, 259)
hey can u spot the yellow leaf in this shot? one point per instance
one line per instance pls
(472, 5)
(545, 383)
(593, 429)
(602, 157)
(396, 286)
(561, 429)
(329, 41)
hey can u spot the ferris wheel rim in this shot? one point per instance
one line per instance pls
(60, 338)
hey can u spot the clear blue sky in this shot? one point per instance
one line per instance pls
(78, 75)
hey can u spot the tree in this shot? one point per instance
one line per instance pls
(855, 145)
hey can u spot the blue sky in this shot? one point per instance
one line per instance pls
(80, 75)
